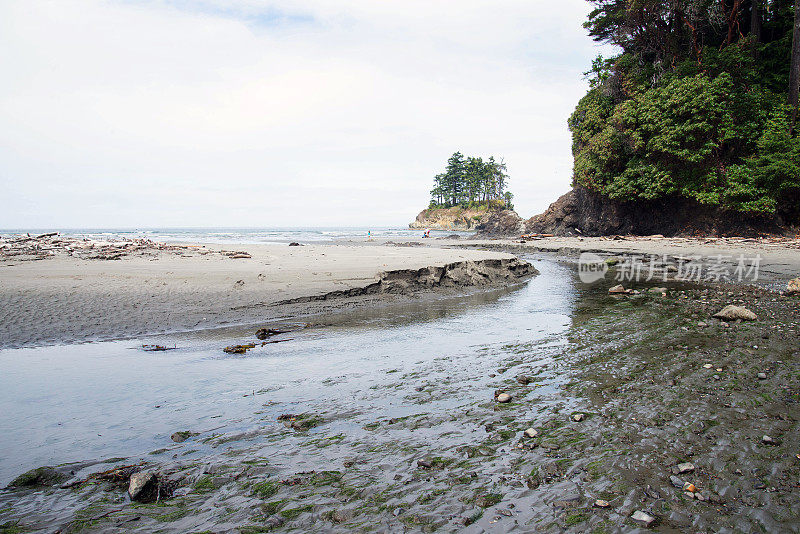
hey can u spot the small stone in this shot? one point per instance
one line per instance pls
(684, 468)
(600, 503)
(716, 377)
(702, 324)
(140, 485)
(643, 518)
(733, 313)
(707, 366)
(617, 289)
(661, 290)
(578, 417)
(424, 464)
(767, 440)
(504, 397)
(689, 487)
(762, 376)
(719, 369)
(675, 481)
(689, 494)
(699, 497)
(531, 433)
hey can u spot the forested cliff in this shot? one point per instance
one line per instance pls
(696, 108)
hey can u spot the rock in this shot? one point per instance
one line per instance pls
(613, 260)
(264, 333)
(661, 290)
(699, 496)
(683, 468)
(41, 476)
(762, 376)
(531, 433)
(524, 380)
(767, 440)
(702, 324)
(793, 287)
(689, 487)
(617, 289)
(142, 486)
(295, 244)
(733, 313)
(707, 366)
(181, 436)
(504, 397)
(578, 417)
(643, 518)
(600, 503)
(675, 481)
(424, 464)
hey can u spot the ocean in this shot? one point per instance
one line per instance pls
(238, 235)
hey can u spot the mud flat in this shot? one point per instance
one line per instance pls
(59, 290)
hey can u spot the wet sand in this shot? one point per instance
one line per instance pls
(65, 299)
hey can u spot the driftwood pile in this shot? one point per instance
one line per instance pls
(29, 247)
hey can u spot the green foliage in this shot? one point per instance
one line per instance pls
(691, 108)
(470, 182)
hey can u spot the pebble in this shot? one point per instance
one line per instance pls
(767, 440)
(504, 397)
(617, 289)
(643, 518)
(699, 497)
(600, 503)
(425, 464)
(578, 417)
(762, 376)
(689, 487)
(531, 433)
(707, 366)
(683, 468)
(675, 481)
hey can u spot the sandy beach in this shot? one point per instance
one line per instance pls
(64, 298)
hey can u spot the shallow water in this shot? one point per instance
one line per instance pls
(98, 400)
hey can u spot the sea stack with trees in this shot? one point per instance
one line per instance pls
(466, 194)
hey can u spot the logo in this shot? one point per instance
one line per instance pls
(591, 268)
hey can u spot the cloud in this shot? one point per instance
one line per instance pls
(247, 113)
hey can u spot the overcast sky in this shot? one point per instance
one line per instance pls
(134, 113)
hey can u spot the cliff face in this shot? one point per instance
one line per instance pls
(455, 219)
(584, 212)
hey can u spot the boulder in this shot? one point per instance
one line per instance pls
(733, 313)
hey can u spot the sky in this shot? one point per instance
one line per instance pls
(236, 113)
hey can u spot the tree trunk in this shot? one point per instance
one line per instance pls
(755, 25)
(794, 71)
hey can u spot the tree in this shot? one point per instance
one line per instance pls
(794, 69)
(683, 109)
(470, 181)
